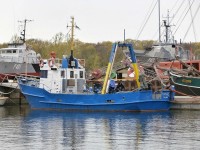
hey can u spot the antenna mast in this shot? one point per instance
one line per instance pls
(73, 26)
(23, 33)
(167, 26)
(72, 34)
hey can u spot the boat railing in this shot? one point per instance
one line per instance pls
(33, 81)
(28, 79)
(24, 75)
(58, 60)
(44, 86)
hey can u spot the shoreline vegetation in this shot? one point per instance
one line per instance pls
(96, 55)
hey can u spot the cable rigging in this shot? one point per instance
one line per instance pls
(142, 28)
(183, 17)
(192, 21)
(192, 24)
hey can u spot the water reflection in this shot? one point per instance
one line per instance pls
(82, 130)
(22, 128)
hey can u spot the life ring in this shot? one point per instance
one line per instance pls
(41, 64)
(51, 62)
(130, 72)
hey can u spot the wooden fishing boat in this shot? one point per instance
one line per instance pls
(184, 84)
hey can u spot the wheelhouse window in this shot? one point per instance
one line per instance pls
(9, 51)
(62, 74)
(81, 74)
(71, 74)
(43, 73)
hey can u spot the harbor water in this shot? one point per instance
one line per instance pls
(22, 129)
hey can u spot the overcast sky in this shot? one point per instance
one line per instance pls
(99, 20)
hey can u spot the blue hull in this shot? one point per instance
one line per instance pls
(127, 101)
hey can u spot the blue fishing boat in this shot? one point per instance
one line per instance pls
(64, 88)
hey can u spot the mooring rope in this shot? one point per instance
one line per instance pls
(9, 92)
(14, 88)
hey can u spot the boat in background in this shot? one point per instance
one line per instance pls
(64, 88)
(185, 84)
(168, 56)
(18, 58)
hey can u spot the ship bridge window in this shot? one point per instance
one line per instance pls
(62, 74)
(9, 51)
(71, 74)
(43, 73)
(180, 52)
(81, 74)
(14, 51)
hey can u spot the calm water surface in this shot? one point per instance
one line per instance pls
(24, 129)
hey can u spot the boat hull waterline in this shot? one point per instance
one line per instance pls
(125, 101)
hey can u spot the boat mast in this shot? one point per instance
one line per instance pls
(71, 59)
(23, 33)
(23, 39)
(167, 26)
(159, 21)
(72, 35)
(73, 26)
(166, 30)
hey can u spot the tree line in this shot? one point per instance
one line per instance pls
(96, 55)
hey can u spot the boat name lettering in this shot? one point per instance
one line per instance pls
(187, 81)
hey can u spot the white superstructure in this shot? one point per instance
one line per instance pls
(62, 79)
(18, 53)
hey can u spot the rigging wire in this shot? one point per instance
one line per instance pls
(145, 18)
(183, 18)
(182, 13)
(177, 11)
(191, 22)
(151, 11)
(174, 5)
